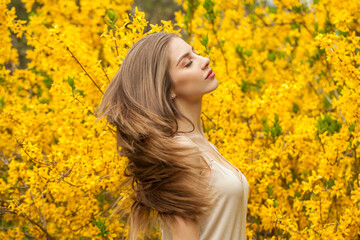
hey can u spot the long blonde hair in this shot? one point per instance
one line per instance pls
(162, 173)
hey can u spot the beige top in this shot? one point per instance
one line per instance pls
(227, 221)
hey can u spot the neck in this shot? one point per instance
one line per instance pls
(191, 110)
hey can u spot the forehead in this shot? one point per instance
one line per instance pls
(177, 47)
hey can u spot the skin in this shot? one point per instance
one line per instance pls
(189, 86)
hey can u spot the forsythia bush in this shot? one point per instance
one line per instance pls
(286, 113)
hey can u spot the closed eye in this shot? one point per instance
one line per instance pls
(187, 65)
(190, 62)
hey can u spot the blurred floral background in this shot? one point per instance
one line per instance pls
(285, 113)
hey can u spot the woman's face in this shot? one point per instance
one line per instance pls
(189, 71)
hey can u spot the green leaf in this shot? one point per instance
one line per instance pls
(48, 82)
(2, 101)
(276, 204)
(270, 189)
(299, 9)
(253, 17)
(297, 194)
(244, 86)
(316, 27)
(295, 26)
(115, 20)
(81, 92)
(109, 22)
(192, 5)
(341, 33)
(248, 52)
(102, 227)
(44, 100)
(209, 7)
(71, 82)
(204, 40)
(352, 127)
(326, 102)
(273, 132)
(295, 108)
(273, 10)
(111, 15)
(239, 50)
(271, 56)
(2, 80)
(281, 55)
(264, 121)
(329, 184)
(39, 91)
(327, 124)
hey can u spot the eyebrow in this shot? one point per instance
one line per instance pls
(184, 55)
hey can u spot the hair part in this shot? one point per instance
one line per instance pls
(162, 173)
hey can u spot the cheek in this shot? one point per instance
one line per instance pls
(182, 82)
(186, 85)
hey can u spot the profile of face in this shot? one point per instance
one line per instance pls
(189, 72)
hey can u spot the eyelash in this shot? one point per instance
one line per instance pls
(188, 65)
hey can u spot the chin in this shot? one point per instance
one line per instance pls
(214, 87)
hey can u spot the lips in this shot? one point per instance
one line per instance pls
(208, 74)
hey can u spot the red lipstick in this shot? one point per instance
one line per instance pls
(211, 74)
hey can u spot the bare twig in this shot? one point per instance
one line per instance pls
(23, 215)
(82, 67)
(6, 160)
(335, 91)
(107, 77)
(64, 175)
(211, 120)
(248, 125)
(31, 158)
(38, 210)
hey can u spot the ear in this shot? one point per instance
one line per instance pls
(172, 95)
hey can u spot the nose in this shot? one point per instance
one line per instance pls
(205, 63)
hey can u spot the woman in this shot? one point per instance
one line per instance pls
(154, 101)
